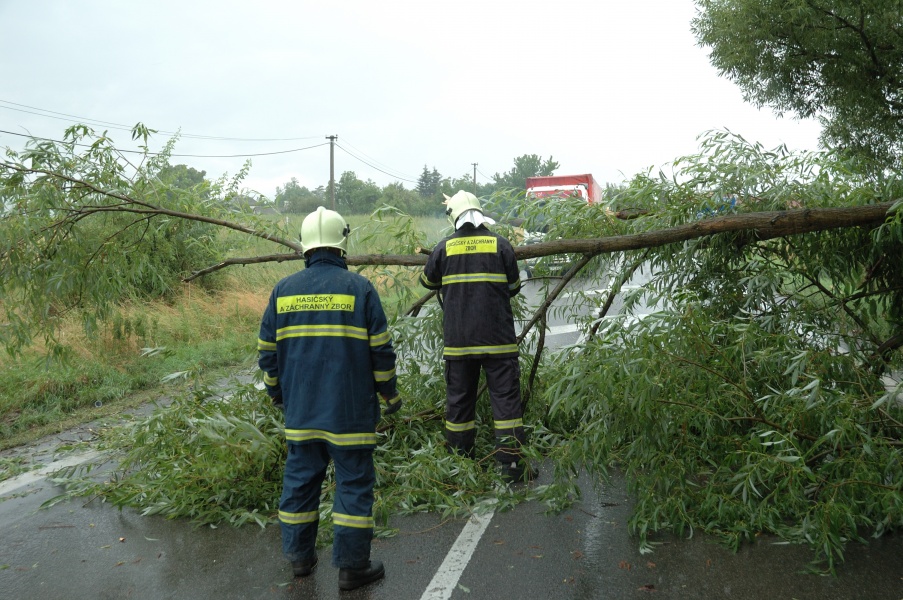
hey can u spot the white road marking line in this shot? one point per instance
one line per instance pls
(558, 330)
(20, 481)
(446, 578)
(561, 329)
(584, 293)
(564, 329)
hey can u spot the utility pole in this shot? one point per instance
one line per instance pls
(332, 139)
(474, 178)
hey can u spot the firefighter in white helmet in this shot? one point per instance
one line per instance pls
(476, 275)
(326, 354)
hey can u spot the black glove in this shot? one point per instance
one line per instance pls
(277, 402)
(392, 405)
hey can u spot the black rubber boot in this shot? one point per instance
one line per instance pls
(303, 568)
(350, 579)
(518, 472)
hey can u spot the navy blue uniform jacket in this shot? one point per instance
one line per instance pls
(476, 274)
(324, 346)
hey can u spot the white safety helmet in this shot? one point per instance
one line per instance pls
(460, 203)
(324, 228)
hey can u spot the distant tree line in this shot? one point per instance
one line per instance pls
(352, 195)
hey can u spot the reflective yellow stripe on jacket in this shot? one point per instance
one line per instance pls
(322, 331)
(336, 439)
(467, 350)
(428, 283)
(379, 339)
(475, 278)
(381, 376)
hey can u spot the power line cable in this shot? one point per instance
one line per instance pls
(42, 112)
(373, 166)
(34, 137)
(85, 121)
(120, 126)
(483, 174)
(248, 155)
(359, 151)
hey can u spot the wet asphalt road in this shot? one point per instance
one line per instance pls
(86, 549)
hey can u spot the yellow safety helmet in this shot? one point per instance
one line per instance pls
(324, 228)
(460, 203)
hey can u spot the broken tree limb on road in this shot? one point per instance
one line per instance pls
(765, 225)
(761, 226)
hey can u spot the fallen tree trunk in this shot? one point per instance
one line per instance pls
(764, 225)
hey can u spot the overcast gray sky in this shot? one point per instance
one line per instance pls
(609, 87)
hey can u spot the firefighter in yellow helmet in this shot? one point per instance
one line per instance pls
(476, 275)
(326, 354)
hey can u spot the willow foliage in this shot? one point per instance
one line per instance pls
(216, 455)
(759, 398)
(214, 458)
(84, 226)
(839, 61)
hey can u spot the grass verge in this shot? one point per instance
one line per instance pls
(145, 351)
(150, 349)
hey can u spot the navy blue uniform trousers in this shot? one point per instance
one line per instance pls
(305, 470)
(462, 378)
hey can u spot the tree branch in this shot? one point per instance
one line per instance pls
(402, 260)
(626, 274)
(415, 308)
(743, 391)
(150, 209)
(776, 426)
(540, 345)
(768, 225)
(882, 352)
(860, 32)
(541, 310)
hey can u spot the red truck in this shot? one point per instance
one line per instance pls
(583, 186)
(557, 186)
